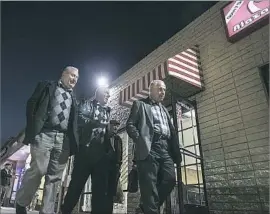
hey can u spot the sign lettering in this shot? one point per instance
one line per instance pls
(244, 16)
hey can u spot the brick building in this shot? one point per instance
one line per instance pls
(232, 111)
(223, 124)
(222, 118)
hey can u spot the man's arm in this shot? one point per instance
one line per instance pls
(84, 113)
(174, 137)
(32, 101)
(3, 173)
(9, 175)
(132, 122)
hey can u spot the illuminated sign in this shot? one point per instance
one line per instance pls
(243, 17)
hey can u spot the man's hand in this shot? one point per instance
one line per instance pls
(112, 133)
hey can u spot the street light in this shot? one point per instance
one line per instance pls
(102, 82)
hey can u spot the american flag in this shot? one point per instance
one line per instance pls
(184, 66)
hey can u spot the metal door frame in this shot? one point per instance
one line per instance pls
(174, 99)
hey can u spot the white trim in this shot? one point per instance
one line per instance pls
(183, 70)
(190, 56)
(197, 83)
(183, 64)
(191, 51)
(187, 60)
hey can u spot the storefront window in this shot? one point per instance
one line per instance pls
(191, 169)
(21, 167)
(191, 165)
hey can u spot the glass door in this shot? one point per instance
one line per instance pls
(192, 191)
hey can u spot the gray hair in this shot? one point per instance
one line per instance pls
(154, 83)
(99, 90)
(70, 68)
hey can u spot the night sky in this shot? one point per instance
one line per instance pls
(40, 38)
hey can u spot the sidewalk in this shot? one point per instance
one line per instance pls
(10, 210)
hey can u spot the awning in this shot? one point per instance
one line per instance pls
(185, 66)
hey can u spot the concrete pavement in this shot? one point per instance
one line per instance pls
(10, 210)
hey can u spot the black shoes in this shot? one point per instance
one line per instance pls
(20, 209)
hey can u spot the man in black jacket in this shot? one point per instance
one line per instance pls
(6, 175)
(93, 157)
(51, 131)
(157, 149)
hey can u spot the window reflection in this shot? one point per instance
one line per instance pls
(189, 160)
(20, 170)
(191, 165)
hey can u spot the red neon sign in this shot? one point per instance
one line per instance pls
(243, 17)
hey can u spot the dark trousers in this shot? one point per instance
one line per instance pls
(156, 177)
(95, 163)
(113, 178)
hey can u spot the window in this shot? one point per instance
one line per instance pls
(191, 165)
(192, 178)
(20, 171)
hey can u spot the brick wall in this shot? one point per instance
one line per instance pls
(233, 118)
(232, 111)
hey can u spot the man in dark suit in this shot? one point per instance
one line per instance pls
(93, 156)
(6, 175)
(150, 127)
(51, 131)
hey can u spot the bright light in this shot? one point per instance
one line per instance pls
(102, 81)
